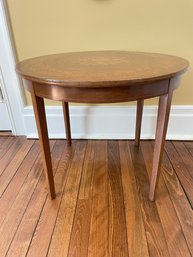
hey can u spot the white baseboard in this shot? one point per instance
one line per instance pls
(111, 122)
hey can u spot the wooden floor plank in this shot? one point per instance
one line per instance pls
(87, 171)
(81, 225)
(17, 210)
(172, 228)
(179, 199)
(14, 164)
(7, 199)
(186, 157)
(43, 233)
(23, 236)
(80, 231)
(153, 226)
(5, 144)
(5, 160)
(102, 207)
(136, 237)
(61, 235)
(98, 236)
(117, 221)
(189, 146)
(181, 170)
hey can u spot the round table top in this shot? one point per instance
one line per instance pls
(101, 68)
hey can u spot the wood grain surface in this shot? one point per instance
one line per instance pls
(101, 208)
(87, 69)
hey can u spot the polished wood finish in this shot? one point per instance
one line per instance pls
(97, 212)
(102, 77)
(118, 234)
(68, 205)
(139, 115)
(22, 198)
(40, 115)
(15, 163)
(5, 143)
(166, 210)
(82, 220)
(182, 161)
(101, 95)
(51, 208)
(136, 233)
(176, 189)
(6, 156)
(161, 129)
(67, 122)
(152, 223)
(101, 68)
(99, 200)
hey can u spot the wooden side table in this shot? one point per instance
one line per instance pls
(102, 77)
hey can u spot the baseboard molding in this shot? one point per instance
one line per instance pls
(111, 122)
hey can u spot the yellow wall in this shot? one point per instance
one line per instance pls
(51, 26)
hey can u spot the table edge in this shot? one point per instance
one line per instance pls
(95, 84)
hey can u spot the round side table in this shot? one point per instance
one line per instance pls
(102, 77)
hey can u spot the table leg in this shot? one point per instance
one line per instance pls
(40, 116)
(162, 123)
(138, 121)
(67, 122)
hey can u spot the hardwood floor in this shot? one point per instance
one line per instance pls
(102, 207)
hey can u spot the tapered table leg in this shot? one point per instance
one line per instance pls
(138, 121)
(40, 116)
(162, 123)
(67, 122)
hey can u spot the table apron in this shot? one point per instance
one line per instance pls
(100, 95)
